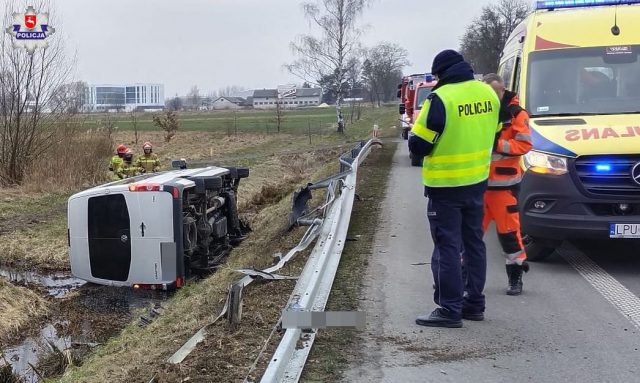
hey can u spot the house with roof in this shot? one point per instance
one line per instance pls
(229, 102)
(294, 98)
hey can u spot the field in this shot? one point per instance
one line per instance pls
(33, 237)
(295, 121)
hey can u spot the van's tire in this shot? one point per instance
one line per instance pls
(539, 250)
(415, 161)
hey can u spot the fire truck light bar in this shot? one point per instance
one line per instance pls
(556, 4)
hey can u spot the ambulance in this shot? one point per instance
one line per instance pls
(576, 67)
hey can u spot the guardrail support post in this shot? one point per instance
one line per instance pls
(234, 315)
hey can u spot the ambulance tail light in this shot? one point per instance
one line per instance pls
(543, 163)
(559, 4)
(144, 187)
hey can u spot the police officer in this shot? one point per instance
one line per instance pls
(500, 201)
(148, 162)
(455, 132)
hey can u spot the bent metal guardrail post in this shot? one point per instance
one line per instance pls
(315, 282)
(331, 232)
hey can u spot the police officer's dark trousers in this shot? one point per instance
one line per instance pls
(456, 223)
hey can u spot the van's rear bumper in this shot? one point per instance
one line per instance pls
(569, 213)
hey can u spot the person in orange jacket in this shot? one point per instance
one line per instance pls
(501, 198)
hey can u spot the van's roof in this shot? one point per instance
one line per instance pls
(584, 27)
(159, 178)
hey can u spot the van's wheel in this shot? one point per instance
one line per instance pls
(415, 161)
(538, 250)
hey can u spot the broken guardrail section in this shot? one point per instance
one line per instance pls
(328, 224)
(314, 284)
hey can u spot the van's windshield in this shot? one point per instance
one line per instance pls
(421, 97)
(582, 81)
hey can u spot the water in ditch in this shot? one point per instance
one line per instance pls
(84, 316)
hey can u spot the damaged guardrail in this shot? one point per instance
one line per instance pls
(328, 224)
(314, 284)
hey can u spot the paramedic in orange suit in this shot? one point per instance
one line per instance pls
(500, 201)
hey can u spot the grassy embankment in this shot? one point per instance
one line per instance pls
(225, 356)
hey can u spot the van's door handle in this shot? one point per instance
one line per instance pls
(142, 227)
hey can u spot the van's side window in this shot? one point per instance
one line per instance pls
(506, 71)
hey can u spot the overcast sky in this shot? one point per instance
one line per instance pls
(215, 43)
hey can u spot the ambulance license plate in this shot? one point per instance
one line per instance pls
(624, 230)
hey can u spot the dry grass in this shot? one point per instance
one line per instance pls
(77, 161)
(193, 145)
(19, 308)
(40, 247)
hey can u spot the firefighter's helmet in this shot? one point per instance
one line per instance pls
(147, 145)
(121, 149)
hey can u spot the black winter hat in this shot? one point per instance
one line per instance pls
(444, 60)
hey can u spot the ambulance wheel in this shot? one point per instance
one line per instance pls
(416, 161)
(538, 250)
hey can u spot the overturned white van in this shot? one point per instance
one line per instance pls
(157, 230)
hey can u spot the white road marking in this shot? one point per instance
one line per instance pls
(626, 302)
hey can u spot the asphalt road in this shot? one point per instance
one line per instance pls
(578, 320)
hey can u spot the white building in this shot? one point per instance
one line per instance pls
(123, 97)
(290, 98)
(228, 102)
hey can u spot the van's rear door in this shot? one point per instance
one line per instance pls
(151, 215)
(109, 237)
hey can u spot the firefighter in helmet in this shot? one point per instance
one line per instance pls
(148, 162)
(128, 168)
(117, 161)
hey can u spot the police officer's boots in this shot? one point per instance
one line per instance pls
(514, 272)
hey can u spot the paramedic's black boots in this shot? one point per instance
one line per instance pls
(514, 272)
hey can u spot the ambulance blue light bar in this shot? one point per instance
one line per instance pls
(603, 168)
(557, 4)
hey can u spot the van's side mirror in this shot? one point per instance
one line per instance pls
(402, 109)
(179, 164)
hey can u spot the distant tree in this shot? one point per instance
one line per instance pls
(382, 70)
(106, 123)
(279, 116)
(174, 104)
(168, 123)
(355, 87)
(325, 58)
(32, 122)
(230, 90)
(485, 37)
(193, 98)
(69, 97)
(134, 123)
(306, 85)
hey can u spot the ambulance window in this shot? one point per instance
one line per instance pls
(507, 72)
(516, 81)
(581, 81)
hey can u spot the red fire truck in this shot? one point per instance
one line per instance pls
(413, 92)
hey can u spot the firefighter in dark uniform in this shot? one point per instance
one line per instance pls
(455, 132)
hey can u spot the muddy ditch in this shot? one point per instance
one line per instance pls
(83, 316)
